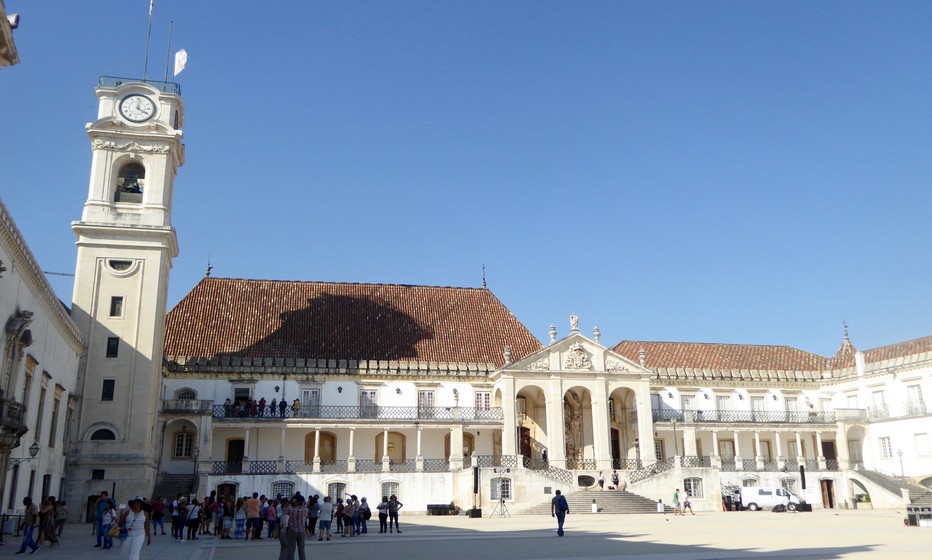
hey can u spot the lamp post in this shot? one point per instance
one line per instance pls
(899, 452)
(33, 451)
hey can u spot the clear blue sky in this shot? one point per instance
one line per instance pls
(746, 172)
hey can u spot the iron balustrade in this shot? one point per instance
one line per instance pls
(697, 461)
(790, 465)
(235, 411)
(878, 413)
(743, 416)
(728, 465)
(226, 467)
(581, 464)
(748, 465)
(507, 461)
(188, 406)
(915, 409)
(295, 467)
(648, 471)
(771, 466)
(331, 467)
(436, 465)
(812, 464)
(165, 87)
(368, 465)
(408, 465)
(831, 464)
(263, 467)
(626, 464)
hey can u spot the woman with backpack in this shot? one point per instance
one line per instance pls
(365, 514)
(193, 521)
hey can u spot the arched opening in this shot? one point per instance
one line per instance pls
(396, 446)
(327, 450)
(131, 180)
(186, 394)
(856, 438)
(577, 426)
(103, 434)
(623, 418)
(531, 423)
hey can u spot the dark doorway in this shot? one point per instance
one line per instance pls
(616, 450)
(524, 438)
(829, 451)
(236, 448)
(828, 493)
(227, 491)
(90, 514)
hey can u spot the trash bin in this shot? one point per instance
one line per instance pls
(912, 516)
(659, 506)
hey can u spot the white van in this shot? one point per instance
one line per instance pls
(766, 497)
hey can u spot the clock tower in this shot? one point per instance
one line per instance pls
(126, 243)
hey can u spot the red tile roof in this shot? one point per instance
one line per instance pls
(712, 356)
(899, 350)
(343, 321)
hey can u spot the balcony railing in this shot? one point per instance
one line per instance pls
(506, 461)
(233, 412)
(878, 413)
(11, 415)
(189, 406)
(166, 87)
(625, 464)
(743, 416)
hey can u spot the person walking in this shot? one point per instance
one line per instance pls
(99, 515)
(601, 481)
(297, 524)
(284, 504)
(136, 522)
(686, 503)
(677, 510)
(615, 480)
(30, 522)
(393, 506)
(61, 516)
(110, 517)
(47, 522)
(253, 520)
(559, 509)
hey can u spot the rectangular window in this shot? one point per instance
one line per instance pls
(500, 488)
(688, 402)
(286, 489)
(723, 402)
(40, 412)
(792, 404)
(390, 489)
(611, 410)
(484, 400)
(886, 448)
(53, 431)
(368, 403)
(694, 487)
(922, 445)
(106, 392)
(914, 402)
(726, 448)
(879, 409)
(792, 451)
(425, 404)
(98, 474)
(113, 347)
(765, 450)
(116, 306)
(852, 401)
(826, 405)
(242, 394)
(655, 401)
(184, 443)
(749, 482)
(658, 449)
(757, 404)
(13, 484)
(310, 397)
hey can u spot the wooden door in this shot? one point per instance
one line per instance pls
(524, 439)
(828, 493)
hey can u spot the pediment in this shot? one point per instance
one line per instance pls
(576, 354)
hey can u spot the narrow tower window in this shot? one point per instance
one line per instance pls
(116, 306)
(113, 347)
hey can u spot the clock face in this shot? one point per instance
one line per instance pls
(137, 108)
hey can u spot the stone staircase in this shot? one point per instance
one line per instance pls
(170, 485)
(918, 495)
(608, 501)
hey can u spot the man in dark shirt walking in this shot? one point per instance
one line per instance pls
(559, 509)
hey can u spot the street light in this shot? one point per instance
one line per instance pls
(33, 451)
(902, 472)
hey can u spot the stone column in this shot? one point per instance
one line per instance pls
(556, 444)
(689, 438)
(386, 460)
(841, 447)
(419, 459)
(351, 458)
(818, 453)
(509, 426)
(317, 450)
(800, 456)
(281, 451)
(600, 426)
(715, 457)
(456, 448)
(780, 460)
(738, 458)
(645, 423)
(757, 455)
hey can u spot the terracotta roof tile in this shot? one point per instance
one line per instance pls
(343, 321)
(712, 356)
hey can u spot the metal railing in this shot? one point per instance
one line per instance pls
(581, 464)
(436, 465)
(812, 464)
(696, 461)
(748, 464)
(915, 409)
(408, 465)
(507, 461)
(368, 465)
(728, 465)
(831, 464)
(545, 468)
(886, 482)
(743, 416)
(878, 413)
(295, 467)
(226, 467)
(189, 406)
(263, 467)
(650, 470)
(114, 81)
(625, 464)
(240, 412)
(330, 467)
(771, 466)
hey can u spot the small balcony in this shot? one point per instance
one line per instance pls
(187, 406)
(12, 415)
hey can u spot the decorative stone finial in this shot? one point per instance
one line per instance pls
(574, 323)
(642, 357)
(596, 332)
(507, 354)
(553, 333)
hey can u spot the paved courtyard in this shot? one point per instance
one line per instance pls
(757, 536)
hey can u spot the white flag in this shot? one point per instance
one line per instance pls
(181, 58)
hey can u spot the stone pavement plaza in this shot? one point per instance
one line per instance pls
(752, 535)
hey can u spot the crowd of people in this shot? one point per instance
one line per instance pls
(252, 408)
(42, 523)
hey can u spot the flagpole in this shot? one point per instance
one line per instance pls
(168, 55)
(145, 67)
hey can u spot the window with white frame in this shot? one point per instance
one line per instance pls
(688, 402)
(886, 448)
(792, 404)
(852, 401)
(184, 445)
(390, 489)
(483, 400)
(694, 487)
(826, 405)
(186, 395)
(611, 410)
(749, 482)
(789, 484)
(286, 489)
(922, 445)
(336, 491)
(658, 449)
(500, 488)
(880, 406)
(368, 403)
(914, 403)
(723, 402)
(425, 404)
